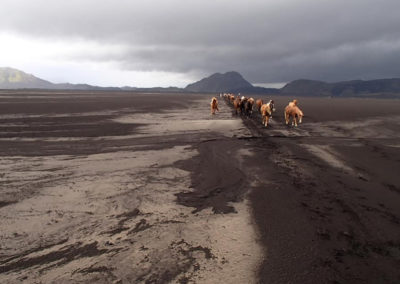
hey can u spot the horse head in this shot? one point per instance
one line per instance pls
(271, 106)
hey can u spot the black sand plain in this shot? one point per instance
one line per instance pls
(118, 187)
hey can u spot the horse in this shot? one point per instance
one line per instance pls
(248, 108)
(295, 113)
(236, 104)
(243, 103)
(259, 103)
(266, 112)
(231, 98)
(214, 105)
(272, 106)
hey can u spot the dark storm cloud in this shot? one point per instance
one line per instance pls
(267, 41)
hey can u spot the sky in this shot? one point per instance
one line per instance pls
(165, 43)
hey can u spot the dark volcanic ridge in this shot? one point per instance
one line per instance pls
(229, 82)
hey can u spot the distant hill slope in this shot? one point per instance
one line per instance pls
(254, 90)
(11, 78)
(307, 87)
(356, 88)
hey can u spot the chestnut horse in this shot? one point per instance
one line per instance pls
(248, 108)
(259, 103)
(266, 112)
(236, 104)
(214, 105)
(293, 112)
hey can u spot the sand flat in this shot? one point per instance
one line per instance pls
(139, 188)
(113, 216)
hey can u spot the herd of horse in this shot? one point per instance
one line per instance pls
(245, 106)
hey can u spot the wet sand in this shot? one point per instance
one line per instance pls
(116, 187)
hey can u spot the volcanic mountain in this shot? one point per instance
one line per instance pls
(219, 83)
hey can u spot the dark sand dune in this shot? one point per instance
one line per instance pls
(150, 188)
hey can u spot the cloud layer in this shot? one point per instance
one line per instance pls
(267, 41)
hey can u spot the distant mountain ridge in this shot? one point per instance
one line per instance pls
(231, 82)
(11, 78)
(378, 87)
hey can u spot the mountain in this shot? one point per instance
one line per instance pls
(230, 82)
(11, 78)
(218, 82)
(360, 87)
(355, 88)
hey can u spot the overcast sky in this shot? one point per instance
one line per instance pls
(175, 42)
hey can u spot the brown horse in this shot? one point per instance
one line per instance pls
(214, 105)
(259, 103)
(248, 108)
(231, 98)
(236, 104)
(272, 106)
(293, 112)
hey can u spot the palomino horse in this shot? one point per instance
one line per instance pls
(293, 104)
(295, 113)
(266, 112)
(214, 105)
